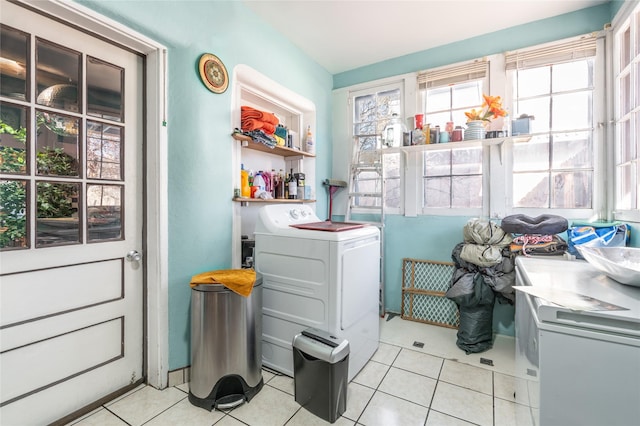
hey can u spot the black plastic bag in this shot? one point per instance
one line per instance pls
(475, 333)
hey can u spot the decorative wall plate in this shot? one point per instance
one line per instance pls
(213, 73)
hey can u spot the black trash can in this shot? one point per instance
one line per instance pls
(320, 373)
(226, 346)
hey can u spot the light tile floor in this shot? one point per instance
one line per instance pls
(401, 385)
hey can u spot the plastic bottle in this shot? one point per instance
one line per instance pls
(245, 190)
(392, 133)
(258, 181)
(309, 144)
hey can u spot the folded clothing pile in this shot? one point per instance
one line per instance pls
(485, 271)
(253, 119)
(536, 235)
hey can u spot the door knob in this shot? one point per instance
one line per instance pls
(134, 256)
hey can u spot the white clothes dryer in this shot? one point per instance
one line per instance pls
(325, 276)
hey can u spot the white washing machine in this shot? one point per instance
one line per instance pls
(326, 276)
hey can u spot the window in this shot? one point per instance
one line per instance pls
(452, 177)
(54, 161)
(555, 168)
(559, 168)
(626, 65)
(372, 110)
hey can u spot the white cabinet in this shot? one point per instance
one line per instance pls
(576, 367)
(251, 88)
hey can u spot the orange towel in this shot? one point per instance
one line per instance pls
(249, 112)
(239, 281)
(250, 124)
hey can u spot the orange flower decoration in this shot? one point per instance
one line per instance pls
(491, 108)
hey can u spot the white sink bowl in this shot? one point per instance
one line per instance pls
(620, 263)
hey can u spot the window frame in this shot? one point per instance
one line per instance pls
(628, 17)
(372, 90)
(598, 203)
(498, 155)
(461, 77)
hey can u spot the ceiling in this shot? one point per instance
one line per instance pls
(342, 35)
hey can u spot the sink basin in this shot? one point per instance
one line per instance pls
(620, 263)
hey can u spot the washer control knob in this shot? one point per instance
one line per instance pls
(295, 214)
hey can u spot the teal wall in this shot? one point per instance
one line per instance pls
(199, 142)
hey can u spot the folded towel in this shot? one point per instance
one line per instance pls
(249, 124)
(267, 117)
(239, 281)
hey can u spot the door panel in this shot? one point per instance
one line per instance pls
(71, 321)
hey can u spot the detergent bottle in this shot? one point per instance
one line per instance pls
(310, 145)
(258, 180)
(245, 190)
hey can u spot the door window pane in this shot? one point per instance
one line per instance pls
(104, 212)
(105, 84)
(14, 55)
(57, 76)
(14, 153)
(14, 232)
(104, 151)
(57, 144)
(57, 213)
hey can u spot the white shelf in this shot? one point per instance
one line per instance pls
(283, 151)
(462, 144)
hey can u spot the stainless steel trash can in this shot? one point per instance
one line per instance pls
(226, 349)
(320, 373)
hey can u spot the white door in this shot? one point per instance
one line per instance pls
(71, 300)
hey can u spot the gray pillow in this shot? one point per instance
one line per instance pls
(546, 224)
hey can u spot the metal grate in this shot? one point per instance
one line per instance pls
(424, 284)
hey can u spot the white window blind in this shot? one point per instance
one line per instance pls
(446, 76)
(557, 53)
